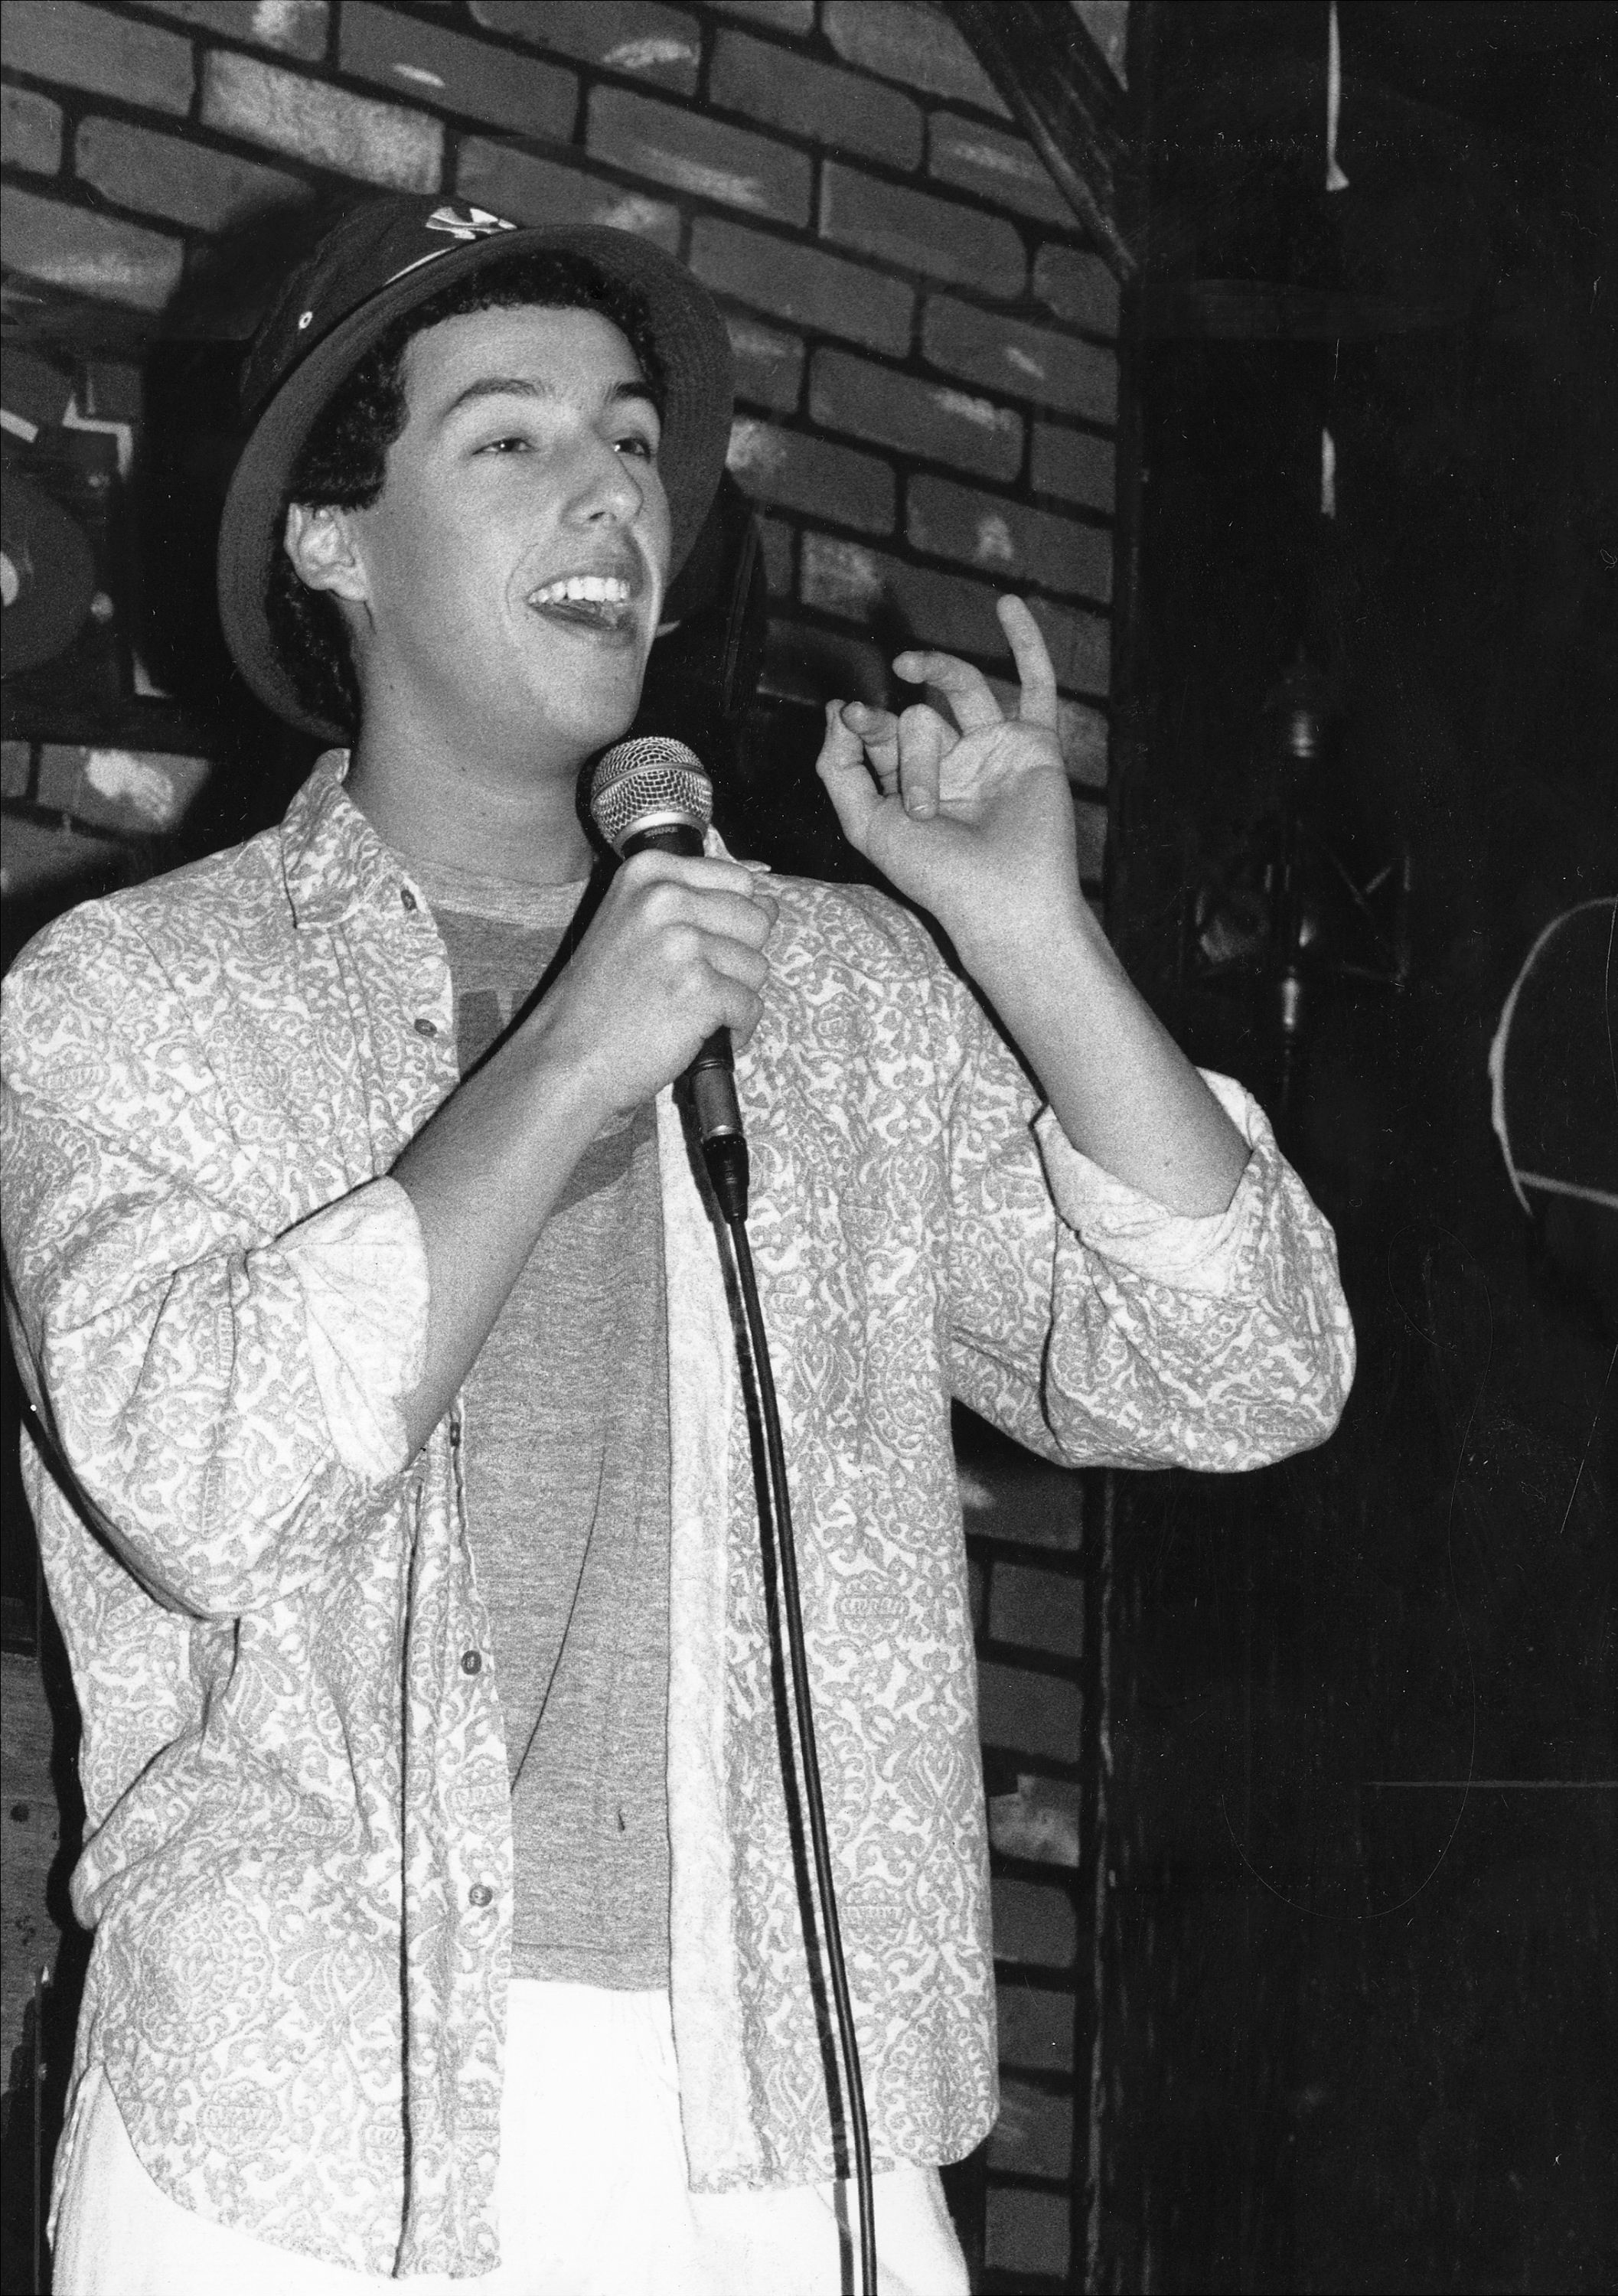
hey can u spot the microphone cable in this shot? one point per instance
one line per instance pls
(726, 1162)
(651, 792)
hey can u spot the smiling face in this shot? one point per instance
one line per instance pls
(505, 587)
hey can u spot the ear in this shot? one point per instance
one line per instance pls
(323, 548)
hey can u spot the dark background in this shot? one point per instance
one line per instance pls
(1363, 2031)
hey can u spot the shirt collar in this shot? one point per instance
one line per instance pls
(332, 860)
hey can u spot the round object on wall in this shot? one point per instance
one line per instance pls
(47, 577)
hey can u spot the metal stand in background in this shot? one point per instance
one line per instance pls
(1292, 908)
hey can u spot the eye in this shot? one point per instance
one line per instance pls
(513, 445)
(635, 443)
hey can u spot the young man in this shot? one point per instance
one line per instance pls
(388, 1454)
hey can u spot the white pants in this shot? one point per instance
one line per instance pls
(592, 2197)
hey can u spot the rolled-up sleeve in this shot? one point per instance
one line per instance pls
(1104, 1329)
(222, 1387)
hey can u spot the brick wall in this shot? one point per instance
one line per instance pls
(928, 389)
(928, 384)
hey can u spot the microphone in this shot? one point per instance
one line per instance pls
(652, 795)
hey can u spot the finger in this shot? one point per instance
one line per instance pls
(728, 960)
(846, 778)
(674, 907)
(749, 922)
(740, 1013)
(921, 751)
(1035, 674)
(971, 696)
(878, 730)
(699, 874)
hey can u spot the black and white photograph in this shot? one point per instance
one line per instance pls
(809, 1147)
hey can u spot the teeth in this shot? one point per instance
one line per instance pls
(588, 589)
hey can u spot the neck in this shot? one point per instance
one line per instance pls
(492, 816)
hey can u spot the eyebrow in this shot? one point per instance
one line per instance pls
(522, 386)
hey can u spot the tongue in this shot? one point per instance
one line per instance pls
(585, 609)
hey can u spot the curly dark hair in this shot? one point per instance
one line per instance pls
(342, 461)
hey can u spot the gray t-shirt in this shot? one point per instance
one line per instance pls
(567, 1487)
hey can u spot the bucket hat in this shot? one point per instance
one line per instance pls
(379, 262)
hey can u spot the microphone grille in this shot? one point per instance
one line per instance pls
(651, 775)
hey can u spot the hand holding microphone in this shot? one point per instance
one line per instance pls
(652, 801)
(672, 967)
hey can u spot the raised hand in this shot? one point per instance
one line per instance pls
(973, 819)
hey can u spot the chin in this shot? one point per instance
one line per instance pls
(596, 719)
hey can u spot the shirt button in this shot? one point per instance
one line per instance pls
(481, 1894)
(408, 897)
(426, 1028)
(471, 1662)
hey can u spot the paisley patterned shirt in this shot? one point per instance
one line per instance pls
(298, 1862)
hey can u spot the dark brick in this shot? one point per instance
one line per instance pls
(1040, 1608)
(353, 134)
(807, 473)
(949, 611)
(779, 544)
(61, 862)
(418, 58)
(88, 254)
(529, 190)
(917, 46)
(1029, 1713)
(1029, 1502)
(114, 391)
(186, 182)
(699, 155)
(1006, 354)
(916, 233)
(1034, 2134)
(1033, 1924)
(653, 43)
(841, 109)
(1090, 833)
(1077, 287)
(1082, 732)
(975, 1582)
(88, 47)
(146, 793)
(1074, 464)
(769, 366)
(1085, 735)
(16, 769)
(297, 28)
(1080, 645)
(1027, 2231)
(30, 130)
(776, 15)
(1003, 169)
(1036, 2028)
(1017, 544)
(802, 283)
(37, 391)
(802, 663)
(920, 418)
(848, 579)
(1040, 1821)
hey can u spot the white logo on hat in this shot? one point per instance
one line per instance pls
(467, 223)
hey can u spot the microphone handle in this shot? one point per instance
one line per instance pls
(711, 1075)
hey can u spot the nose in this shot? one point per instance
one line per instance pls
(607, 486)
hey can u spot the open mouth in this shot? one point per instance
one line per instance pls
(601, 602)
